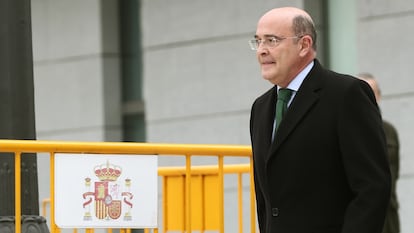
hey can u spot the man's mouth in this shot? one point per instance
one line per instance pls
(268, 63)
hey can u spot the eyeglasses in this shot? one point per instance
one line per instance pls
(269, 42)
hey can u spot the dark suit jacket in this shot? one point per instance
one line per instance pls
(326, 171)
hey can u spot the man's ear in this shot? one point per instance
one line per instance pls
(305, 45)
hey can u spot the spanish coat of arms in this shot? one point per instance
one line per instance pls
(110, 198)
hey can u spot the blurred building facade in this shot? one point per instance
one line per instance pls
(182, 71)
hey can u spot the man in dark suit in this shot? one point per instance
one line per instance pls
(323, 168)
(392, 220)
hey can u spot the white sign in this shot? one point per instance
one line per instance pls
(106, 191)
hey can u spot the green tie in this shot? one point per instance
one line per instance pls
(283, 98)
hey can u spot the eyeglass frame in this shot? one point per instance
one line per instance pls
(270, 41)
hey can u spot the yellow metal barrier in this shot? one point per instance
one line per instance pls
(202, 178)
(204, 196)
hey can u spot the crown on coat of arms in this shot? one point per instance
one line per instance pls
(107, 172)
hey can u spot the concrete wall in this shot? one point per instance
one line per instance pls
(76, 70)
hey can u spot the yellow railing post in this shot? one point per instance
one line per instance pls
(164, 204)
(240, 199)
(187, 193)
(17, 192)
(252, 200)
(221, 191)
(45, 202)
(52, 193)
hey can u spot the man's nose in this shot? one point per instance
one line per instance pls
(262, 49)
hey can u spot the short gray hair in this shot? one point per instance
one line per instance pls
(303, 25)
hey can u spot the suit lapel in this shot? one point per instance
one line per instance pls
(305, 98)
(268, 118)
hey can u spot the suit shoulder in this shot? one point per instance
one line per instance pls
(333, 80)
(342, 79)
(343, 83)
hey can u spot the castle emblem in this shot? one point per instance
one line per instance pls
(110, 198)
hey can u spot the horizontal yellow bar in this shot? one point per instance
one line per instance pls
(204, 170)
(33, 146)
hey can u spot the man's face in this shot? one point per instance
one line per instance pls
(279, 63)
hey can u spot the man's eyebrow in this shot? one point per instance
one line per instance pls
(267, 35)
